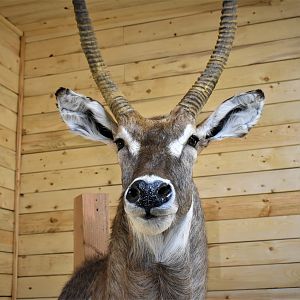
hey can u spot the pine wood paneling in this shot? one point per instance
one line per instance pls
(262, 294)
(8, 98)
(250, 186)
(283, 275)
(275, 93)
(60, 242)
(35, 265)
(272, 116)
(44, 286)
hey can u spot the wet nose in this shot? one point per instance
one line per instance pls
(149, 194)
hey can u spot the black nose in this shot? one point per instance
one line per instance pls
(149, 194)
(61, 90)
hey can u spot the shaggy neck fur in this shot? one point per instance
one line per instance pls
(168, 266)
(172, 265)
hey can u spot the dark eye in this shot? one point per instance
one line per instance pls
(120, 143)
(193, 141)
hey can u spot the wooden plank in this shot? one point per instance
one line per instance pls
(8, 24)
(45, 48)
(284, 275)
(235, 254)
(6, 241)
(209, 164)
(260, 137)
(254, 13)
(195, 63)
(287, 275)
(275, 93)
(60, 242)
(38, 298)
(254, 253)
(45, 286)
(18, 167)
(46, 222)
(100, 175)
(269, 181)
(224, 231)
(5, 284)
(21, 14)
(53, 141)
(9, 59)
(74, 80)
(257, 229)
(8, 98)
(7, 158)
(235, 207)
(49, 264)
(8, 118)
(247, 161)
(5, 263)
(271, 116)
(6, 198)
(6, 220)
(261, 294)
(9, 38)
(121, 17)
(234, 77)
(63, 200)
(111, 175)
(91, 227)
(153, 12)
(188, 44)
(172, 65)
(225, 278)
(7, 178)
(9, 79)
(73, 158)
(251, 206)
(7, 138)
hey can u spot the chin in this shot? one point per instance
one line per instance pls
(151, 226)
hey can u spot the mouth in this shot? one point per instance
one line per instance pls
(150, 222)
(149, 216)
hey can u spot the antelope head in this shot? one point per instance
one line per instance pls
(157, 154)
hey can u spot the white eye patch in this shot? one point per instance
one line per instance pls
(176, 147)
(133, 145)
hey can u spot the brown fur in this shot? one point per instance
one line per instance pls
(163, 257)
(130, 271)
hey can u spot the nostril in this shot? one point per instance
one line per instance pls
(60, 91)
(133, 194)
(164, 191)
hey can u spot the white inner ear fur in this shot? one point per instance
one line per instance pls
(240, 122)
(133, 145)
(73, 108)
(176, 146)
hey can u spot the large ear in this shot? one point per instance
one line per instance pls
(85, 116)
(233, 118)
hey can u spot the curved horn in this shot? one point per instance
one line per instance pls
(199, 93)
(109, 90)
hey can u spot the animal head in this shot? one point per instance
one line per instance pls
(157, 155)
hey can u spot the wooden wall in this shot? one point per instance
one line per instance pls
(9, 82)
(249, 187)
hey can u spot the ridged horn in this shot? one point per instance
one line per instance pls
(109, 90)
(197, 96)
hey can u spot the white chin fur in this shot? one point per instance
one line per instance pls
(152, 226)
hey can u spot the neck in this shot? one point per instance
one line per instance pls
(164, 266)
